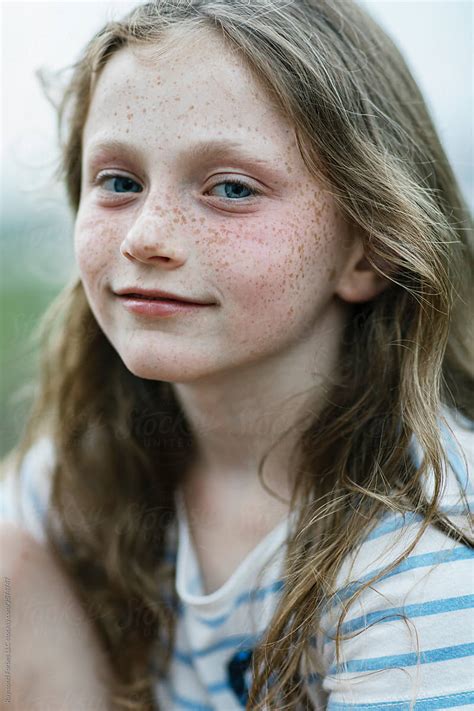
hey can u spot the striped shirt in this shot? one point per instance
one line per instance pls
(408, 640)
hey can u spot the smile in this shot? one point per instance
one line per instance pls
(154, 307)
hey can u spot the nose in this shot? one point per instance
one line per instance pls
(150, 239)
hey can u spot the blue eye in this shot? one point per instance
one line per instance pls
(121, 184)
(240, 187)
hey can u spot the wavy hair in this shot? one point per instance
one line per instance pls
(122, 443)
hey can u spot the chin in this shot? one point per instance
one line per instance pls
(171, 370)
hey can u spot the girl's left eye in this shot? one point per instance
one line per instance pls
(238, 187)
(120, 183)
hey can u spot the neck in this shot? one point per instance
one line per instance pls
(237, 416)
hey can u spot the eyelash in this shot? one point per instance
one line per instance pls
(102, 177)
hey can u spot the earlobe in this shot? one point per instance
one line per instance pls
(359, 281)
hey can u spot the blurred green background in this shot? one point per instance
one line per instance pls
(36, 261)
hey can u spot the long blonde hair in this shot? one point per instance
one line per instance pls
(363, 127)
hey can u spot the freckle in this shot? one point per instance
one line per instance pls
(130, 116)
(144, 111)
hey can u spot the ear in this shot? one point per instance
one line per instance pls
(358, 280)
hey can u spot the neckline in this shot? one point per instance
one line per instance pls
(187, 566)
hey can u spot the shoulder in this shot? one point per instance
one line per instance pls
(25, 492)
(396, 532)
(408, 634)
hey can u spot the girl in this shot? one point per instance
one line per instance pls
(248, 454)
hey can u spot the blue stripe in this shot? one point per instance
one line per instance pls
(393, 522)
(458, 510)
(183, 657)
(393, 661)
(411, 563)
(248, 596)
(218, 687)
(425, 704)
(231, 642)
(433, 607)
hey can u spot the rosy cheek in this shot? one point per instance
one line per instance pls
(269, 261)
(245, 257)
(95, 241)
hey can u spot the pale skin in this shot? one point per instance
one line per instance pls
(281, 268)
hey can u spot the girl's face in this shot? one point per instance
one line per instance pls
(163, 146)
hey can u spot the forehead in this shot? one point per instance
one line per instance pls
(196, 87)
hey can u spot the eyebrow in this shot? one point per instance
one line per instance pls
(215, 148)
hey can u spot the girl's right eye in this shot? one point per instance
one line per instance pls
(118, 183)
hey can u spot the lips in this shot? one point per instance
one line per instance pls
(155, 298)
(158, 295)
(155, 307)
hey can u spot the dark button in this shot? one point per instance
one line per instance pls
(236, 669)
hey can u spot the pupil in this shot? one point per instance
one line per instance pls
(235, 188)
(125, 185)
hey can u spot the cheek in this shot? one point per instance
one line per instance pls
(95, 241)
(279, 263)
